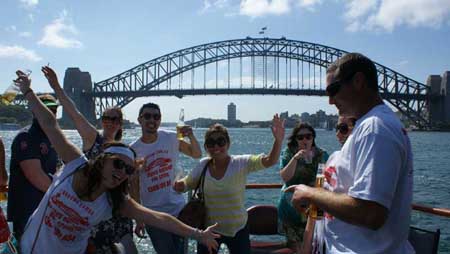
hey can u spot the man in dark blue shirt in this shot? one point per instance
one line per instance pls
(33, 162)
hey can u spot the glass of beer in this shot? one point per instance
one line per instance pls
(11, 92)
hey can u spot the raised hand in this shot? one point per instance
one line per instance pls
(51, 76)
(23, 81)
(278, 127)
(186, 130)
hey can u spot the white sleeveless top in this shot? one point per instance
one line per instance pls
(62, 222)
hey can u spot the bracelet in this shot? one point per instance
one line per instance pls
(28, 91)
(197, 234)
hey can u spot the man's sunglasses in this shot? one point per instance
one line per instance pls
(148, 116)
(111, 118)
(120, 164)
(308, 136)
(210, 142)
(342, 128)
(333, 88)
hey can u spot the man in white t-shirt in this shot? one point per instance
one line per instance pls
(368, 190)
(160, 149)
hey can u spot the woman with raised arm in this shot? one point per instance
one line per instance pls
(86, 192)
(298, 164)
(118, 228)
(224, 184)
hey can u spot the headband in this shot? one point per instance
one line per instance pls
(120, 150)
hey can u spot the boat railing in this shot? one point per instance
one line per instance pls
(445, 212)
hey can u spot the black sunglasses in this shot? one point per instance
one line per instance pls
(148, 116)
(333, 88)
(120, 164)
(342, 128)
(111, 118)
(210, 142)
(308, 136)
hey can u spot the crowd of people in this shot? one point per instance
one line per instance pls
(65, 199)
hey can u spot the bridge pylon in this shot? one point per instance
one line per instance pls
(78, 86)
(440, 102)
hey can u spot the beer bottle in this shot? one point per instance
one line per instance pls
(180, 125)
(314, 211)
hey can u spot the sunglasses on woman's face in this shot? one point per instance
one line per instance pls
(120, 164)
(111, 118)
(342, 128)
(210, 142)
(148, 116)
(308, 136)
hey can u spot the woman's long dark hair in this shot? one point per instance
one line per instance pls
(93, 172)
(292, 141)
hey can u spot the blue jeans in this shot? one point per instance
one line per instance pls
(165, 242)
(239, 244)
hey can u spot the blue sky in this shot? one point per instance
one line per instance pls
(108, 37)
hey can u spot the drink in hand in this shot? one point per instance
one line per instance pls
(11, 92)
(315, 212)
(180, 125)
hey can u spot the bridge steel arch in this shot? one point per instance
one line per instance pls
(410, 97)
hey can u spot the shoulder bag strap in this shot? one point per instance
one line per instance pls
(199, 189)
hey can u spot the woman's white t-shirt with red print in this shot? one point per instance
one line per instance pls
(62, 222)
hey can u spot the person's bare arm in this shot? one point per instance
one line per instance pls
(86, 130)
(165, 221)
(47, 121)
(191, 149)
(33, 172)
(352, 210)
(278, 134)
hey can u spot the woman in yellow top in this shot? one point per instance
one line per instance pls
(224, 185)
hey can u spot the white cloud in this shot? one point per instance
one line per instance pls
(18, 52)
(309, 4)
(388, 14)
(54, 34)
(210, 5)
(11, 28)
(258, 8)
(29, 3)
(403, 63)
(25, 34)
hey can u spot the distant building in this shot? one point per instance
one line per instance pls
(284, 115)
(231, 112)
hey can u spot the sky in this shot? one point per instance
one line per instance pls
(106, 38)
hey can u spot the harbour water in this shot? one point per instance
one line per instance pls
(431, 174)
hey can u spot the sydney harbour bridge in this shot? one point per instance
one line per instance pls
(251, 66)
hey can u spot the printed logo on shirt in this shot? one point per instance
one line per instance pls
(158, 170)
(66, 221)
(330, 177)
(44, 148)
(23, 145)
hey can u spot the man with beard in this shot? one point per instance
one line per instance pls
(160, 149)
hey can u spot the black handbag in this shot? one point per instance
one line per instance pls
(194, 212)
